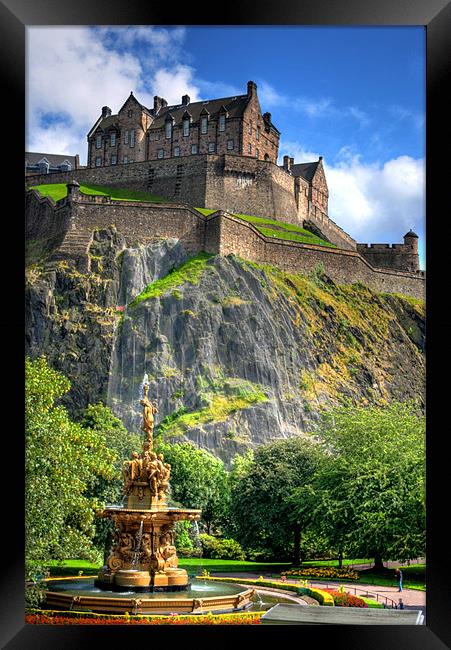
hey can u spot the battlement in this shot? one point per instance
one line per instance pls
(63, 230)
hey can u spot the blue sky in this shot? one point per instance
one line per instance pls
(355, 95)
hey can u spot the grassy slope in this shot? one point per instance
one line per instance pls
(58, 191)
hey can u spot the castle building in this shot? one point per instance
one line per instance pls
(230, 125)
(220, 155)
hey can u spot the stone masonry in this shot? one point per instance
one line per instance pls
(64, 231)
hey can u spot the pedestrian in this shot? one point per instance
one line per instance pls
(398, 574)
(401, 604)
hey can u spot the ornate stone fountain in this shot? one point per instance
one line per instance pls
(143, 556)
(143, 559)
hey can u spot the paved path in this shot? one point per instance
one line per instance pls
(410, 597)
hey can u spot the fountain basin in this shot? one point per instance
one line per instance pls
(82, 594)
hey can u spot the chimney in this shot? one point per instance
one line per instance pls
(106, 111)
(158, 103)
(287, 162)
(267, 117)
(291, 162)
(320, 159)
(185, 100)
(251, 88)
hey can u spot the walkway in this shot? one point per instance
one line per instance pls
(411, 598)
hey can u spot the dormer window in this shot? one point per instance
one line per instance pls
(222, 121)
(186, 126)
(98, 141)
(125, 137)
(169, 129)
(204, 125)
(130, 113)
(113, 140)
(132, 137)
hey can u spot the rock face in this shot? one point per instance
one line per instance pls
(236, 354)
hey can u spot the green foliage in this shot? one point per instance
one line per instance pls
(261, 505)
(307, 238)
(198, 480)
(368, 494)
(101, 419)
(61, 459)
(220, 548)
(190, 271)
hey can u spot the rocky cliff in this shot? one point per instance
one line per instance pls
(236, 353)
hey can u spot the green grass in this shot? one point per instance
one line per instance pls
(58, 191)
(280, 229)
(190, 271)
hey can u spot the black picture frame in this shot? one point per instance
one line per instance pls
(435, 16)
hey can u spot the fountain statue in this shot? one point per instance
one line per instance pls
(143, 556)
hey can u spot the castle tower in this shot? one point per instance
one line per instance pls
(411, 250)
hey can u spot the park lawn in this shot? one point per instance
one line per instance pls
(57, 191)
(192, 565)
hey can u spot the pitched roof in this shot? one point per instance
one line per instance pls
(306, 170)
(53, 159)
(234, 106)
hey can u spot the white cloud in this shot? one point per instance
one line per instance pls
(73, 71)
(377, 202)
(374, 203)
(172, 84)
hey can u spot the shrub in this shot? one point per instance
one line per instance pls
(220, 548)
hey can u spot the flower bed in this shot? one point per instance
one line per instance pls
(52, 617)
(323, 572)
(343, 599)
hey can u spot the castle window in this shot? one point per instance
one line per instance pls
(98, 141)
(249, 148)
(125, 137)
(160, 153)
(113, 159)
(125, 160)
(168, 130)
(113, 140)
(258, 133)
(250, 128)
(186, 127)
(211, 147)
(266, 157)
(229, 145)
(176, 151)
(132, 137)
(98, 161)
(194, 148)
(256, 153)
(130, 113)
(222, 122)
(204, 125)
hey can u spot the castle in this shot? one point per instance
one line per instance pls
(220, 154)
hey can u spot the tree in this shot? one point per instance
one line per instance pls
(100, 418)
(198, 480)
(368, 495)
(61, 459)
(261, 503)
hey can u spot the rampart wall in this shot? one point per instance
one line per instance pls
(68, 226)
(232, 183)
(329, 229)
(395, 256)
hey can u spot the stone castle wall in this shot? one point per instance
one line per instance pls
(68, 227)
(234, 183)
(395, 256)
